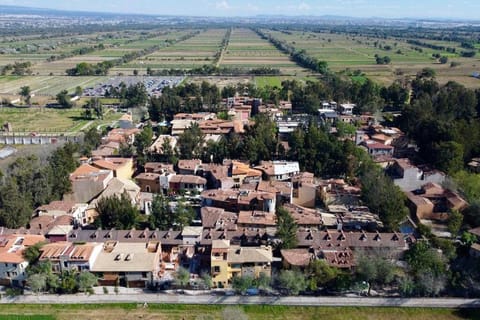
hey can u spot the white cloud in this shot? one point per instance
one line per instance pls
(303, 6)
(222, 5)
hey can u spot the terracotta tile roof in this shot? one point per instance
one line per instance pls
(189, 164)
(84, 170)
(12, 246)
(338, 239)
(304, 216)
(240, 168)
(237, 254)
(239, 236)
(475, 231)
(342, 258)
(158, 167)
(69, 251)
(257, 218)
(181, 178)
(104, 164)
(48, 222)
(147, 176)
(218, 219)
(297, 257)
(65, 206)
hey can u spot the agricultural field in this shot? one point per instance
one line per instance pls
(114, 48)
(38, 49)
(44, 85)
(345, 52)
(214, 312)
(191, 53)
(247, 50)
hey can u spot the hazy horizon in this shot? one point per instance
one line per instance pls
(444, 9)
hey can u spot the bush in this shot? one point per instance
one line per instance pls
(105, 290)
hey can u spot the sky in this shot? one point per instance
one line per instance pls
(463, 9)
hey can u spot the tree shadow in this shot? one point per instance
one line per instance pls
(472, 313)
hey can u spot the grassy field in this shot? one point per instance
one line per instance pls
(51, 120)
(345, 52)
(192, 312)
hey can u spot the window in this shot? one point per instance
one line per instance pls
(144, 275)
(216, 269)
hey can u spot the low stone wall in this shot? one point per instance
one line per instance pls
(43, 139)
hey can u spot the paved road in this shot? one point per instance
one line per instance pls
(233, 300)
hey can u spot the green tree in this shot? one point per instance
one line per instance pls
(292, 280)
(117, 212)
(190, 143)
(15, 207)
(32, 253)
(78, 91)
(25, 92)
(383, 197)
(183, 215)
(143, 140)
(375, 270)
(161, 216)
(37, 282)
(63, 99)
(321, 274)
(286, 229)
(421, 258)
(454, 223)
(182, 277)
(443, 59)
(68, 281)
(86, 280)
(241, 283)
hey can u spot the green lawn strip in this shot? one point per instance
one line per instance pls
(264, 312)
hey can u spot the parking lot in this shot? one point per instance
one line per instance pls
(154, 85)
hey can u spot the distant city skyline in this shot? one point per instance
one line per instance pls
(461, 9)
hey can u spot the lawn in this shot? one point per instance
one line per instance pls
(193, 312)
(50, 120)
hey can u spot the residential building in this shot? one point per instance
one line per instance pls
(305, 217)
(68, 255)
(236, 200)
(61, 208)
(304, 190)
(410, 177)
(433, 202)
(87, 183)
(187, 183)
(188, 166)
(278, 170)
(121, 167)
(376, 149)
(242, 173)
(256, 219)
(12, 263)
(163, 141)
(390, 244)
(346, 108)
(218, 219)
(229, 261)
(130, 264)
(149, 182)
